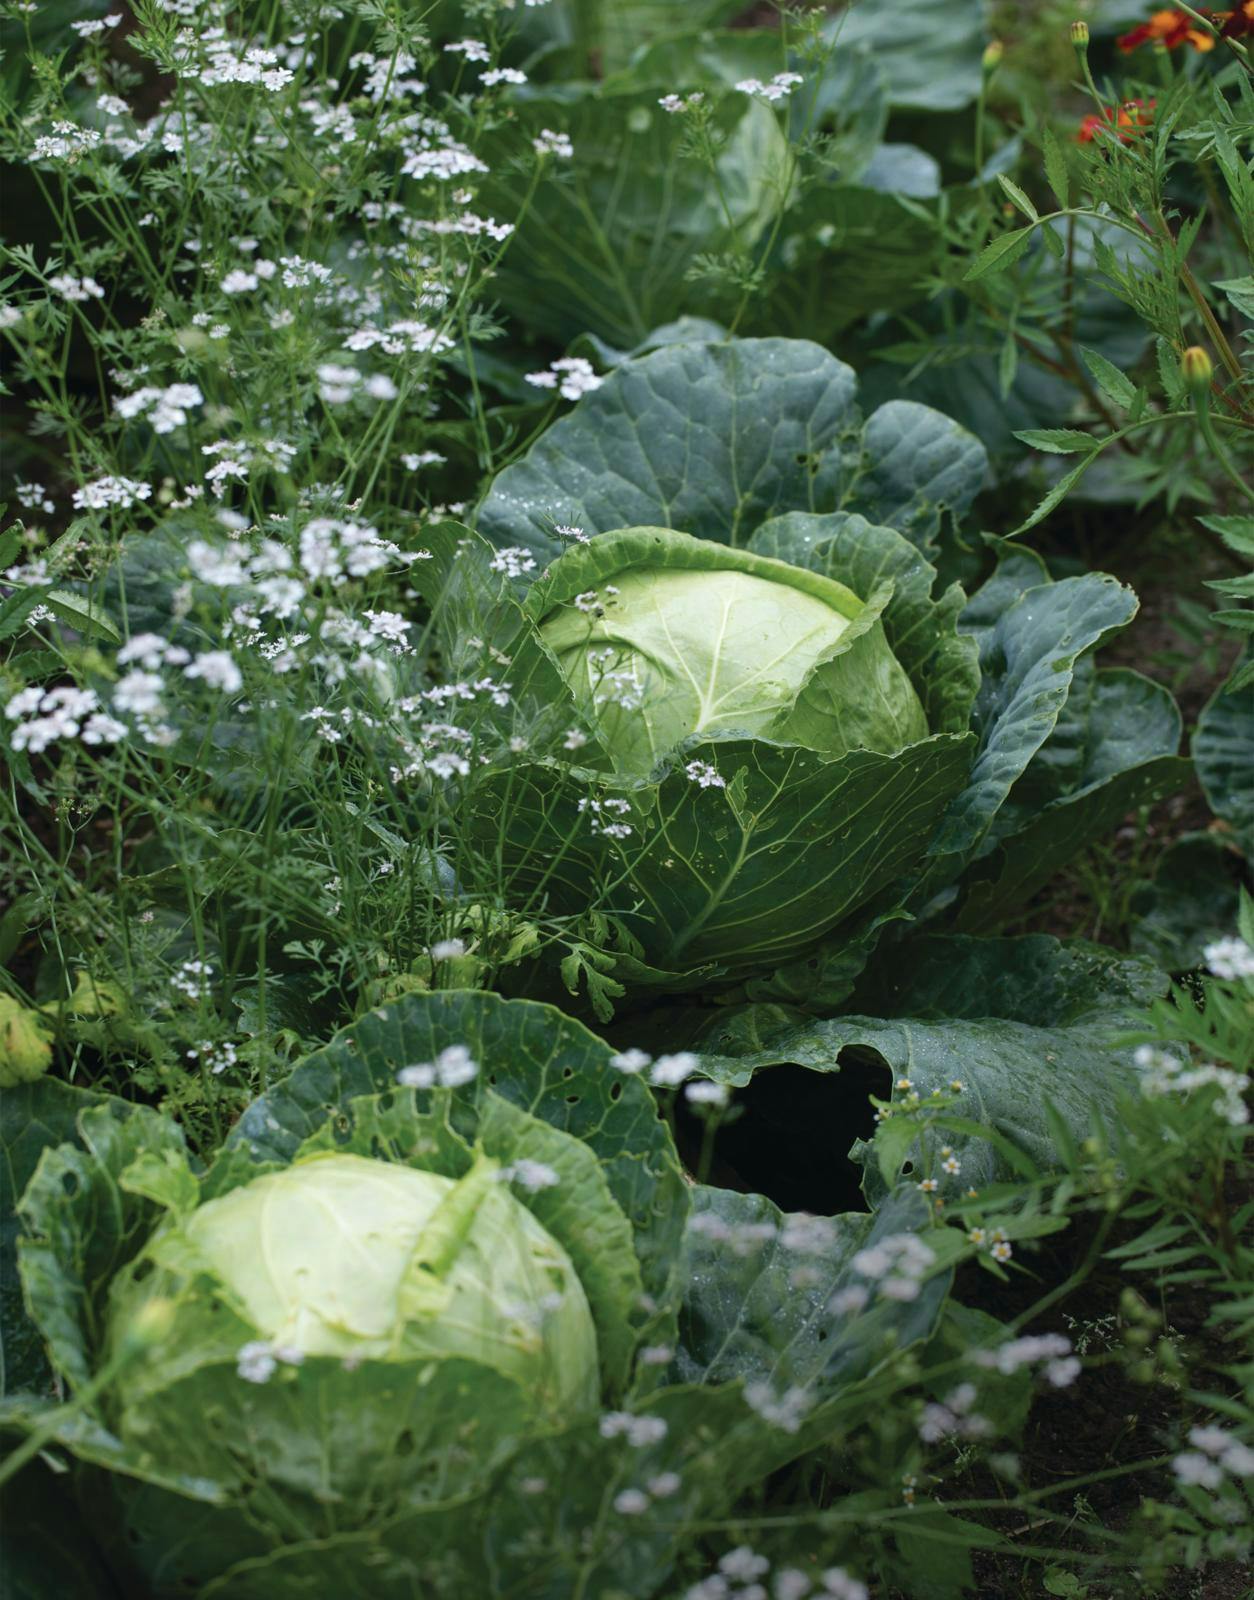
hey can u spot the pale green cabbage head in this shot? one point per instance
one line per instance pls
(666, 638)
(364, 1260)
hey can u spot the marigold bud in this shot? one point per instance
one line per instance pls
(1196, 369)
(994, 50)
(1080, 35)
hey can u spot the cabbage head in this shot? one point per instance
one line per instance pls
(676, 639)
(344, 1256)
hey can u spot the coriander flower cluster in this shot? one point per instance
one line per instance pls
(453, 1067)
(164, 409)
(1164, 1074)
(1216, 1456)
(1230, 958)
(571, 376)
(897, 1265)
(49, 716)
(778, 88)
(744, 1574)
(1050, 1352)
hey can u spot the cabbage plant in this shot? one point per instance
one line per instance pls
(441, 1317)
(786, 730)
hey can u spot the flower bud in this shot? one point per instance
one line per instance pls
(1196, 370)
(1080, 36)
(994, 50)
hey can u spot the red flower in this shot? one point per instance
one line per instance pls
(1172, 29)
(1133, 117)
(1235, 24)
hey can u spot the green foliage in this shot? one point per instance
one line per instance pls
(513, 503)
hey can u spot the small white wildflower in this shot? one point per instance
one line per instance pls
(75, 290)
(554, 144)
(785, 1411)
(472, 49)
(256, 1361)
(453, 1067)
(850, 1300)
(705, 1093)
(514, 561)
(530, 1175)
(840, 1586)
(1230, 958)
(669, 1071)
(1193, 1468)
(779, 87)
(630, 1061)
(631, 1502)
(217, 669)
(701, 772)
(743, 1564)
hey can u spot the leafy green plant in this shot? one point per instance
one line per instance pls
(498, 1308)
(871, 779)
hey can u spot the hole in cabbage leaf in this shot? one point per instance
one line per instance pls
(792, 1138)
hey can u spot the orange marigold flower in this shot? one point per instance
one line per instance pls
(1133, 117)
(1169, 28)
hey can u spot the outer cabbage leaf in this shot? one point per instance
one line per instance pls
(605, 241)
(760, 1282)
(713, 439)
(1131, 731)
(34, 1117)
(1018, 1021)
(742, 875)
(1191, 901)
(1027, 662)
(928, 50)
(841, 92)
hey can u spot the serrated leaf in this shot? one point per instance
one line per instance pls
(1056, 495)
(1056, 171)
(1057, 441)
(1114, 384)
(83, 615)
(1018, 198)
(1000, 254)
